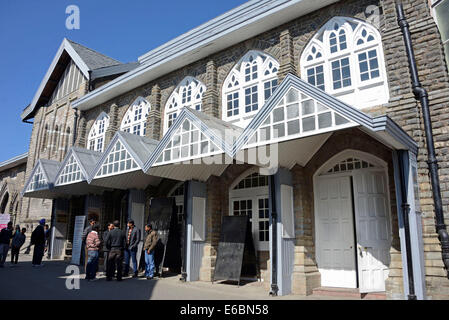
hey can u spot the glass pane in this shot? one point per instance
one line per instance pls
(293, 127)
(339, 120)
(308, 124)
(279, 130)
(325, 120)
(278, 115)
(308, 107)
(293, 111)
(292, 96)
(441, 11)
(265, 134)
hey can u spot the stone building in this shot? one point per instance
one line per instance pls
(12, 180)
(299, 114)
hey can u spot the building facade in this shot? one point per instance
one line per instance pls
(299, 114)
(12, 180)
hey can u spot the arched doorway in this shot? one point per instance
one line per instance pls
(4, 203)
(248, 195)
(352, 222)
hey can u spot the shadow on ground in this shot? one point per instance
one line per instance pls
(49, 282)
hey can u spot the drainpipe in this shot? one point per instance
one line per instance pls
(274, 253)
(422, 96)
(75, 126)
(405, 206)
(184, 236)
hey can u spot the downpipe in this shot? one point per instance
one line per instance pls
(274, 254)
(422, 96)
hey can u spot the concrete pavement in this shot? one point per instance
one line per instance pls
(49, 282)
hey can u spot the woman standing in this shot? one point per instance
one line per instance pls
(93, 245)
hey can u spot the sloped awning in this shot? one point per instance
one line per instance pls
(195, 147)
(73, 174)
(40, 183)
(120, 167)
(289, 129)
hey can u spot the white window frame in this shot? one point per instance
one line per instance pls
(97, 134)
(353, 29)
(236, 82)
(134, 120)
(253, 194)
(190, 86)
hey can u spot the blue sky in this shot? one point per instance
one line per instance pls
(31, 33)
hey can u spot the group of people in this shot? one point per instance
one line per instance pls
(119, 247)
(15, 239)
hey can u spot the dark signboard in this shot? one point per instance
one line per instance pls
(163, 218)
(236, 256)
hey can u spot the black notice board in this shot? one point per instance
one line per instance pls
(163, 218)
(236, 256)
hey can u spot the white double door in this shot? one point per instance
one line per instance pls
(352, 230)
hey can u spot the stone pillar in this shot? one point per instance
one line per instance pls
(154, 128)
(210, 99)
(287, 63)
(81, 139)
(114, 125)
(306, 276)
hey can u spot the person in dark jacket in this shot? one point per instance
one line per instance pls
(115, 242)
(38, 240)
(110, 227)
(132, 244)
(149, 246)
(5, 237)
(17, 243)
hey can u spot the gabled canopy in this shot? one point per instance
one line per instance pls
(42, 177)
(121, 165)
(77, 166)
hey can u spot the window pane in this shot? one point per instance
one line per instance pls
(325, 120)
(308, 124)
(293, 127)
(441, 11)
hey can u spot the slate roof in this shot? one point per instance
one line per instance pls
(93, 59)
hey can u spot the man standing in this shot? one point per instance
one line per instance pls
(93, 245)
(115, 242)
(17, 243)
(150, 244)
(86, 232)
(5, 237)
(132, 244)
(110, 227)
(38, 240)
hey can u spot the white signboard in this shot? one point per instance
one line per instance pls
(4, 220)
(77, 239)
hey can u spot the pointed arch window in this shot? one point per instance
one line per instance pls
(345, 58)
(249, 84)
(135, 120)
(189, 93)
(44, 140)
(97, 133)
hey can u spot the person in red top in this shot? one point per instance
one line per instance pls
(93, 245)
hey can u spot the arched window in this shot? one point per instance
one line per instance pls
(97, 133)
(189, 93)
(135, 120)
(249, 84)
(55, 140)
(67, 140)
(345, 58)
(44, 140)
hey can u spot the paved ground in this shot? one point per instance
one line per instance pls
(49, 282)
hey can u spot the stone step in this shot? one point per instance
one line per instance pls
(348, 293)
